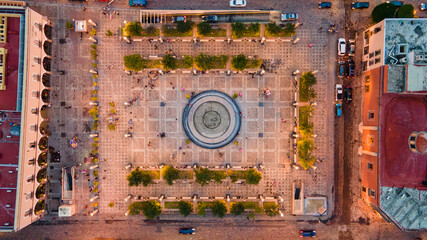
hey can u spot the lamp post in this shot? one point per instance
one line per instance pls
(94, 198)
(128, 197)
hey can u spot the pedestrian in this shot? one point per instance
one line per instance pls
(138, 81)
(283, 120)
(149, 144)
(155, 47)
(310, 45)
(84, 9)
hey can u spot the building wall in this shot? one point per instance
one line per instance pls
(25, 205)
(372, 87)
(373, 46)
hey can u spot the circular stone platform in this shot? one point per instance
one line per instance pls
(211, 119)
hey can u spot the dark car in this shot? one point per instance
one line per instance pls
(396, 3)
(342, 69)
(325, 5)
(187, 231)
(350, 65)
(179, 19)
(360, 5)
(348, 94)
(137, 3)
(307, 233)
(210, 19)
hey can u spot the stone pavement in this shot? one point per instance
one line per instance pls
(149, 117)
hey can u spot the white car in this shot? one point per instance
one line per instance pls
(341, 47)
(338, 88)
(289, 17)
(237, 3)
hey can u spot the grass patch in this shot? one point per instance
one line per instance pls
(304, 117)
(239, 30)
(254, 63)
(170, 31)
(155, 174)
(172, 205)
(206, 62)
(250, 205)
(237, 174)
(219, 32)
(186, 174)
(269, 204)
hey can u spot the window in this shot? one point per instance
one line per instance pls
(364, 65)
(371, 192)
(377, 60)
(370, 166)
(363, 189)
(371, 55)
(370, 139)
(367, 88)
(371, 63)
(371, 115)
(378, 29)
(366, 50)
(378, 52)
(367, 78)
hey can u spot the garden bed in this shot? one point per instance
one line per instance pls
(273, 30)
(237, 174)
(154, 173)
(245, 30)
(186, 174)
(304, 116)
(215, 33)
(172, 205)
(169, 31)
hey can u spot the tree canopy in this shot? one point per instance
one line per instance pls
(203, 176)
(406, 11)
(237, 208)
(137, 177)
(238, 29)
(169, 62)
(204, 28)
(219, 208)
(185, 208)
(239, 62)
(133, 62)
(253, 176)
(306, 91)
(184, 27)
(170, 174)
(384, 10)
(133, 29)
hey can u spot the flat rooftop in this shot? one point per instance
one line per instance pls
(8, 97)
(10, 121)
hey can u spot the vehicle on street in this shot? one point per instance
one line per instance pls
(342, 69)
(137, 3)
(350, 66)
(351, 47)
(325, 5)
(338, 89)
(307, 233)
(348, 94)
(289, 16)
(179, 19)
(237, 3)
(338, 109)
(341, 47)
(187, 231)
(423, 6)
(396, 3)
(210, 19)
(360, 5)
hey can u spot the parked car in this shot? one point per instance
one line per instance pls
(211, 18)
(307, 233)
(338, 109)
(237, 3)
(360, 5)
(137, 3)
(179, 19)
(187, 231)
(338, 89)
(348, 94)
(341, 47)
(423, 6)
(325, 5)
(350, 65)
(342, 69)
(289, 17)
(351, 47)
(396, 3)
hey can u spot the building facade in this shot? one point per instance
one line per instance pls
(25, 75)
(394, 117)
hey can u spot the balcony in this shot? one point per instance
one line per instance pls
(46, 95)
(48, 31)
(46, 80)
(41, 191)
(40, 207)
(43, 143)
(46, 63)
(44, 111)
(42, 159)
(42, 175)
(47, 46)
(44, 128)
